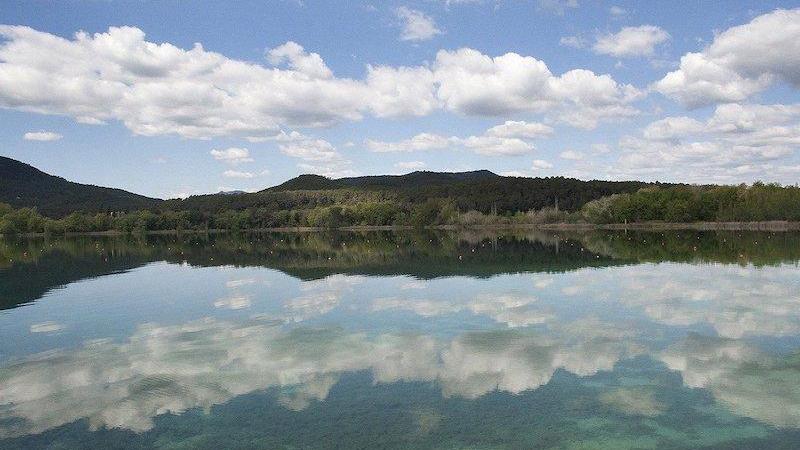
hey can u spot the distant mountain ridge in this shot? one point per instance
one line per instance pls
(480, 190)
(22, 185)
(409, 180)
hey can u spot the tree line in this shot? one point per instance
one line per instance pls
(368, 213)
(341, 208)
(759, 202)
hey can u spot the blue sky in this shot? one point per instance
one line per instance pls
(670, 91)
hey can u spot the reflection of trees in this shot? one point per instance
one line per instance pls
(35, 266)
(29, 268)
(199, 364)
(738, 247)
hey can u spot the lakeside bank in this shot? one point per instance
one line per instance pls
(776, 226)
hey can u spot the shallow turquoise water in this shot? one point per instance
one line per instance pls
(402, 340)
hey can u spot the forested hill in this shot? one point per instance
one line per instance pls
(479, 190)
(411, 180)
(512, 194)
(22, 185)
(416, 199)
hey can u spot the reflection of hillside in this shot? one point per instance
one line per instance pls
(30, 268)
(33, 267)
(736, 247)
(423, 255)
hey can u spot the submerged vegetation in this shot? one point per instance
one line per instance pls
(349, 208)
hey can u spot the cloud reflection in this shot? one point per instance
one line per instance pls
(169, 369)
(512, 309)
(748, 381)
(735, 301)
(320, 297)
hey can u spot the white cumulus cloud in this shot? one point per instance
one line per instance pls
(43, 136)
(161, 89)
(232, 155)
(540, 164)
(736, 143)
(631, 41)
(485, 145)
(472, 83)
(417, 26)
(419, 142)
(507, 139)
(520, 130)
(237, 174)
(741, 61)
(318, 155)
(157, 89)
(497, 146)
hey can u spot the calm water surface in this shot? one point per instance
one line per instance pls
(401, 340)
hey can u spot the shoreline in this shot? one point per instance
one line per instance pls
(776, 225)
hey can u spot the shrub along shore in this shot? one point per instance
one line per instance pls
(760, 206)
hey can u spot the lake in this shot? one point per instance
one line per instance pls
(417, 339)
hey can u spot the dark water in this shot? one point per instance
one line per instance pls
(401, 340)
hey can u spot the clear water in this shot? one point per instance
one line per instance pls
(401, 340)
